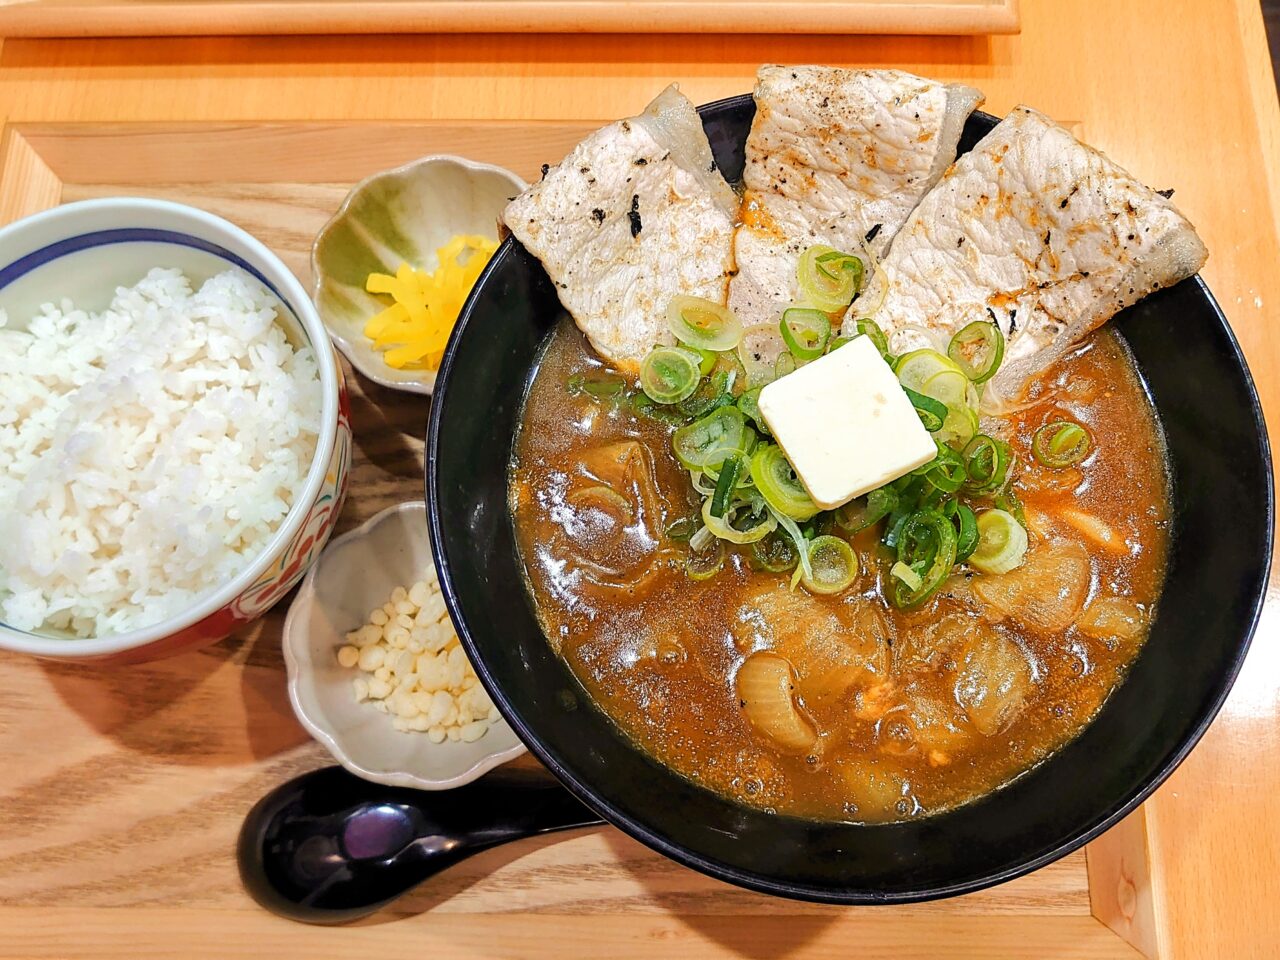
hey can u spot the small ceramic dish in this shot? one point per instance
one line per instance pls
(356, 573)
(400, 215)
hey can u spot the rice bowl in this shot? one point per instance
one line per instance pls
(152, 449)
(213, 573)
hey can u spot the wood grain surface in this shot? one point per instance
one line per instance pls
(122, 790)
(197, 739)
(100, 18)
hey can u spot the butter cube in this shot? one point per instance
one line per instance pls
(845, 424)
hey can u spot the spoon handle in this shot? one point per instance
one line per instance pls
(328, 847)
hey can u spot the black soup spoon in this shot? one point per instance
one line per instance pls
(328, 847)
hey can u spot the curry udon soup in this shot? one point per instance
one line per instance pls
(848, 705)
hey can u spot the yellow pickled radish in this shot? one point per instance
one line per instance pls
(412, 332)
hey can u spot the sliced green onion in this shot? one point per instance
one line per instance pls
(1008, 501)
(949, 386)
(778, 484)
(820, 524)
(945, 472)
(903, 486)
(1002, 542)
(932, 413)
(834, 565)
(862, 512)
(603, 387)
(871, 330)
(893, 527)
(786, 363)
(726, 483)
(702, 324)
(705, 563)
(935, 499)
(1061, 444)
(926, 544)
(803, 569)
(838, 342)
(966, 532)
(805, 332)
(774, 554)
(835, 262)
(829, 279)
(977, 350)
(701, 540)
(749, 404)
(723, 527)
(760, 348)
(708, 361)
(986, 463)
(909, 490)
(906, 575)
(960, 426)
(916, 368)
(744, 450)
(712, 392)
(643, 406)
(710, 441)
(702, 403)
(743, 453)
(703, 482)
(669, 374)
(731, 363)
(680, 530)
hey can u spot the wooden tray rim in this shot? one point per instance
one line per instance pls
(88, 18)
(36, 159)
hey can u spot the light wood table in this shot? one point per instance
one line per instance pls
(1179, 91)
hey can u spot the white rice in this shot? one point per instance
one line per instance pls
(148, 452)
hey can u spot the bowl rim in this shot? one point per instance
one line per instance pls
(293, 636)
(354, 356)
(595, 799)
(327, 369)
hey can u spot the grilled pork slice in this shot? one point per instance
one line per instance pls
(636, 214)
(1038, 232)
(837, 157)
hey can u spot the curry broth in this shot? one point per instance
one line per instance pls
(916, 712)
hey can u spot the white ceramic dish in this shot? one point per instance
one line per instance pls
(355, 574)
(86, 250)
(398, 215)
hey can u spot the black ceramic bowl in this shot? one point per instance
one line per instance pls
(1221, 548)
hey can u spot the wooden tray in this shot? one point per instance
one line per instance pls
(123, 789)
(87, 18)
